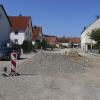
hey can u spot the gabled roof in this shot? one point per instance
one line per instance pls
(19, 22)
(36, 31)
(74, 40)
(44, 35)
(63, 40)
(69, 40)
(98, 17)
(50, 39)
(5, 14)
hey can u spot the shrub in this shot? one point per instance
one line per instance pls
(37, 44)
(44, 45)
(27, 46)
(16, 45)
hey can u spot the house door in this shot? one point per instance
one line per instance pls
(89, 47)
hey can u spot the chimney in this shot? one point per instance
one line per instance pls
(97, 17)
(85, 27)
(20, 15)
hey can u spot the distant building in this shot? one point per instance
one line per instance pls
(4, 27)
(52, 40)
(36, 34)
(69, 42)
(21, 29)
(86, 42)
(63, 41)
(74, 42)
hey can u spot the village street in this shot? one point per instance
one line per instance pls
(53, 76)
(58, 46)
(4, 63)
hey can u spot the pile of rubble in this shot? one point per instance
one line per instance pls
(72, 53)
(49, 63)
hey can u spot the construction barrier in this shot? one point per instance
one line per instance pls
(13, 63)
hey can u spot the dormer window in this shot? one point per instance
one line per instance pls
(16, 32)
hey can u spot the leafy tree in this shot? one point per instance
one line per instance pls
(27, 46)
(37, 44)
(95, 35)
(44, 44)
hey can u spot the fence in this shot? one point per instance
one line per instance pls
(94, 51)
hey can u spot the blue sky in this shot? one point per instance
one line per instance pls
(57, 17)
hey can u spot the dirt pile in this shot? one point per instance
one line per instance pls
(49, 63)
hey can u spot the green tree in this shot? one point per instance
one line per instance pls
(44, 44)
(37, 44)
(95, 35)
(27, 46)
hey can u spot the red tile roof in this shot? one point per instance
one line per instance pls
(63, 40)
(50, 39)
(36, 31)
(75, 40)
(67, 40)
(19, 22)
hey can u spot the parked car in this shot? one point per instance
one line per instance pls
(17, 50)
(5, 53)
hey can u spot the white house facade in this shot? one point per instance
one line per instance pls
(86, 42)
(4, 27)
(17, 38)
(21, 29)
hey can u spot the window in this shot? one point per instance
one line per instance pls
(16, 32)
(16, 41)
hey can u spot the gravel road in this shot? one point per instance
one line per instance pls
(24, 58)
(49, 63)
(51, 76)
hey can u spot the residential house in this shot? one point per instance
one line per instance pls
(74, 42)
(52, 40)
(36, 34)
(69, 42)
(4, 27)
(86, 42)
(21, 29)
(63, 41)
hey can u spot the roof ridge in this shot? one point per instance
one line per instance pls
(19, 16)
(6, 14)
(90, 24)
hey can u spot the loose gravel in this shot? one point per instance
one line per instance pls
(49, 63)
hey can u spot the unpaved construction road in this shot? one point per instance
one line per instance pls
(53, 76)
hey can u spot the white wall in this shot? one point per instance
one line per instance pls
(20, 37)
(65, 44)
(28, 31)
(85, 39)
(4, 28)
